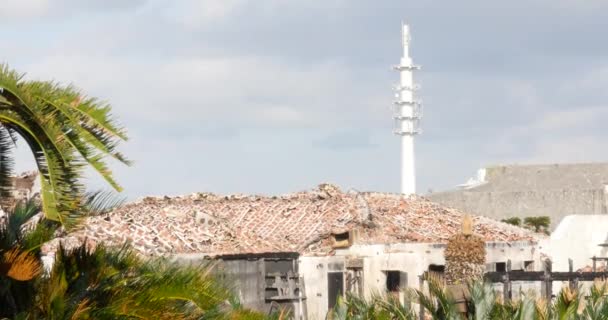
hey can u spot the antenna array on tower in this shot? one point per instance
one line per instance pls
(407, 112)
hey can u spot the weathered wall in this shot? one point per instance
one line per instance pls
(553, 203)
(554, 190)
(314, 271)
(578, 238)
(412, 259)
(248, 281)
(253, 279)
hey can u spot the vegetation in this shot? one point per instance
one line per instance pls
(537, 224)
(483, 304)
(102, 283)
(516, 221)
(379, 307)
(66, 132)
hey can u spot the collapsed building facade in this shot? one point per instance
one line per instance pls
(302, 250)
(24, 186)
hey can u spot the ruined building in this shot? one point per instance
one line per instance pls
(24, 186)
(301, 250)
(523, 191)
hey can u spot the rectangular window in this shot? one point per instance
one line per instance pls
(341, 240)
(437, 268)
(501, 267)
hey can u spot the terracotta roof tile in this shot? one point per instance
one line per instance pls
(302, 222)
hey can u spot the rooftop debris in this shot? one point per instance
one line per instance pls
(303, 222)
(602, 268)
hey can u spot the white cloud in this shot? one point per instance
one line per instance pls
(581, 148)
(23, 9)
(196, 14)
(572, 119)
(250, 91)
(204, 84)
(282, 115)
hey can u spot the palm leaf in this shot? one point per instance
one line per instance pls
(20, 265)
(6, 163)
(66, 131)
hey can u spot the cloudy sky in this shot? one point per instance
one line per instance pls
(272, 96)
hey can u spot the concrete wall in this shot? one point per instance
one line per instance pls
(412, 259)
(554, 190)
(578, 237)
(314, 271)
(553, 203)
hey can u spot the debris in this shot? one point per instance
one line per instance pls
(465, 258)
(300, 222)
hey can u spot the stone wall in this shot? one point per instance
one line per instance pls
(500, 205)
(553, 190)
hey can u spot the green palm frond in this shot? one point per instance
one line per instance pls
(526, 309)
(11, 231)
(339, 311)
(6, 163)
(482, 301)
(101, 201)
(19, 259)
(438, 302)
(104, 283)
(596, 306)
(392, 308)
(566, 304)
(66, 132)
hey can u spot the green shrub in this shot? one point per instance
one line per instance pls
(516, 221)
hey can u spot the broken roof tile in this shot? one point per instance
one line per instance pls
(303, 222)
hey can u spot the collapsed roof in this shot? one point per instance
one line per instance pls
(303, 222)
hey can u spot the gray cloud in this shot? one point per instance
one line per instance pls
(276, 96)
(345, 140)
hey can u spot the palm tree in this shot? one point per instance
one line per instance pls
(103, 283)
(66, 132)
(20, 264)
(22, 232)
(437, 302)
(484, 304)
(378, 307)
(596, 306)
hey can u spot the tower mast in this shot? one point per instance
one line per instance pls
(407, 113)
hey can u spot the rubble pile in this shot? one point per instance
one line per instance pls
(465, 258)
(211, 224)
(416, 219)
(599, 268)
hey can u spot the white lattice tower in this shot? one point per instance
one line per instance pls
(407, 113)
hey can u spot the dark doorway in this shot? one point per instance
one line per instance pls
(393, 281)
(335, 287)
